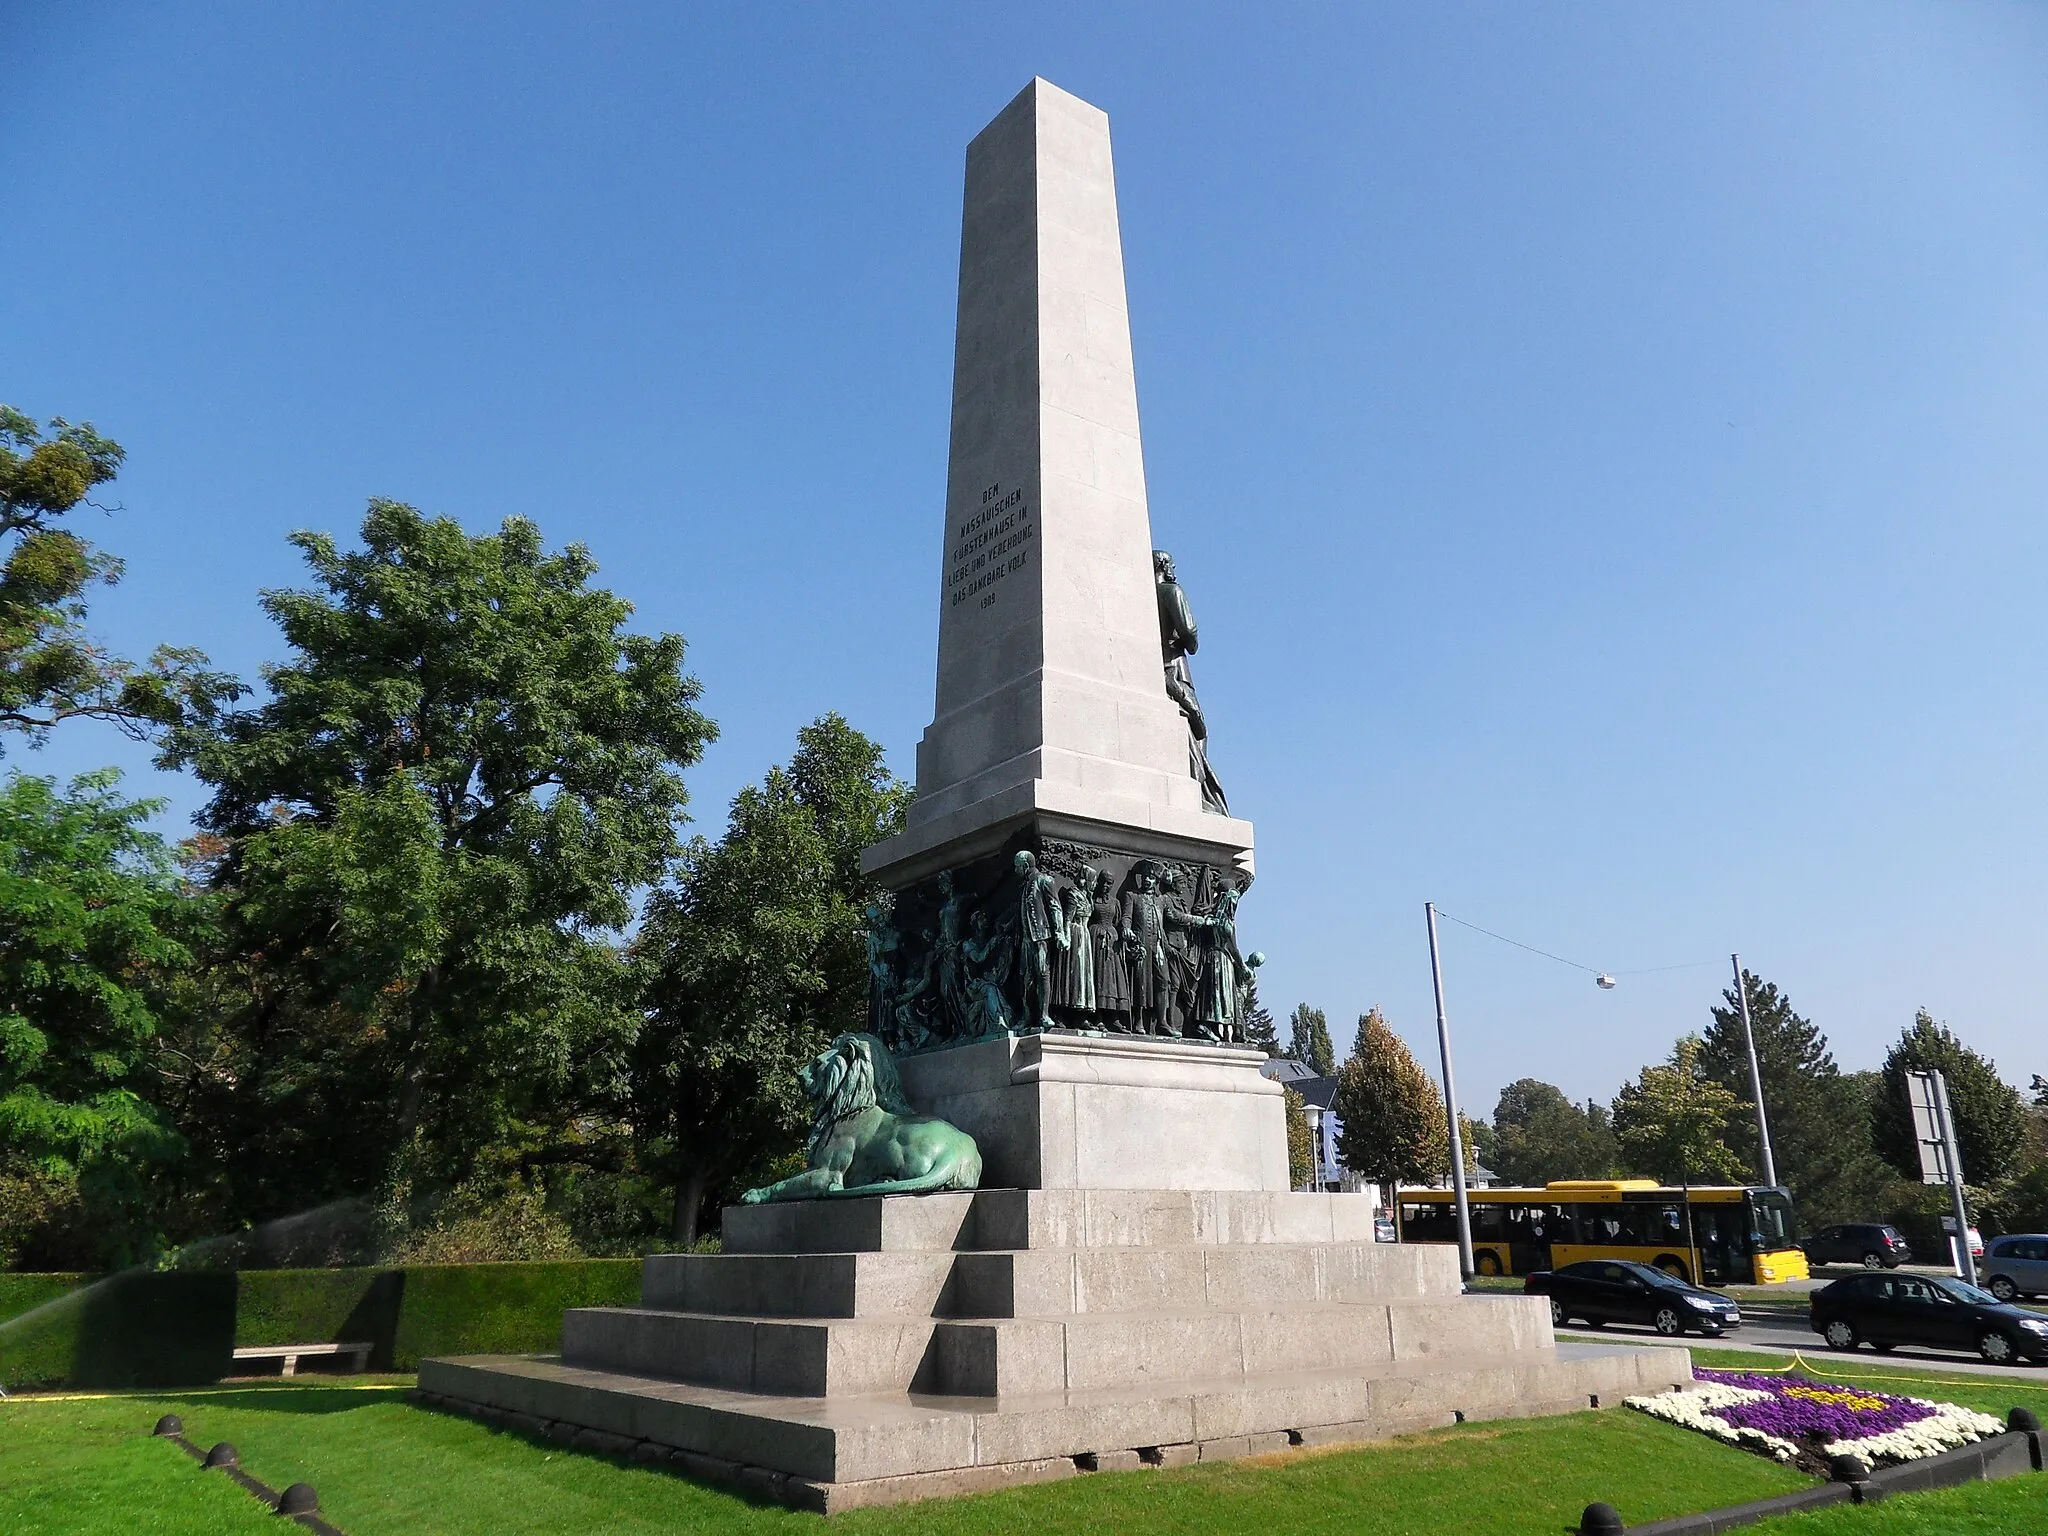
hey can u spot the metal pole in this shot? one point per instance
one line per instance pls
(1756, 1078)
(1964, 1261)
(1443, 1041)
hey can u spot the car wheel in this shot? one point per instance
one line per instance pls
(1558, 1316)
(1873, 1261)
(1839, 1335)
(2002, 1288)
(1668, 1322)
(1995, 1347)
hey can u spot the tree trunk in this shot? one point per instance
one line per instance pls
(415, 1081)
(689, 1200)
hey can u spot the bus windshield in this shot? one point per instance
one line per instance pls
(1770, 1220)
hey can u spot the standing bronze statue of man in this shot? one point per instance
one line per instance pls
(1038, 924)
(1179, 640)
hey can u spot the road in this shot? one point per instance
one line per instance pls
(1779, 1326)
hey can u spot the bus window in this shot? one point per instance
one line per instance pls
(1770, 1220)
(1429, 1222)
(1489, 1221)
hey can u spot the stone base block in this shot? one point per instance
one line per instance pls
(1008, 1219)
(1063, 1111)
(843, 1453)
(1075, 1352)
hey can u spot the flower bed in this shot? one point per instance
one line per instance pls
(1799, 1420)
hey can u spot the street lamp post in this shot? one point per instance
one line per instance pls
(1314, 1113)
(1443, 1041)
(1756, 1079)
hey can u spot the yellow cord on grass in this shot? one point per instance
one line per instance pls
(1799, 1360)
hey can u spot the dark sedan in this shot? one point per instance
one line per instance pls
(1871, 1244)
(1887, 1310)
(1602, 1291)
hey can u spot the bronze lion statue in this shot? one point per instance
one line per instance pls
(865, 1138)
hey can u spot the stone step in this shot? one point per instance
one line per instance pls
(1199, 1276)
(783, 1357)
(830, 1357)
(1050, 1218)
(885, 1443)
(869, 1284)
(1051, 1280)
(1096, 1351)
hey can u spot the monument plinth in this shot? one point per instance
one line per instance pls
(1058, 976)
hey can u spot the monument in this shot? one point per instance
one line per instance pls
(1103, 1264)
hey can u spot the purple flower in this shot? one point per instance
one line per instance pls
(1801, 1409)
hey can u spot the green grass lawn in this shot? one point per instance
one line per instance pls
(386, 1468)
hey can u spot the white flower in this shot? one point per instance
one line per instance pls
(1694, 1408)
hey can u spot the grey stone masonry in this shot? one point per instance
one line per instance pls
(863, 1351)
(1067, 1111)
(1051, 696)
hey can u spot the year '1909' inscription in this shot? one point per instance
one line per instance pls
(989, 544)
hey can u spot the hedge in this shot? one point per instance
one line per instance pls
(180, 1328)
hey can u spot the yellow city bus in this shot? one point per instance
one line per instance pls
(1720, 1235)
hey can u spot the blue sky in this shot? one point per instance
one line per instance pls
(1606, 446)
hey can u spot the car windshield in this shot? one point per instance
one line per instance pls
(1656, 1276)
(1962, 1291)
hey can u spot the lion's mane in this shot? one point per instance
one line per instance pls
(864, 1078)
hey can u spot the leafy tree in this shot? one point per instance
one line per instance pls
(428, 837)
(1258, 1021)
(50, 669)
(1990, 1118)
(1309, 1040)
(752, 960)
(1482, 1146)
(1541, 1135)
(1301, 1144)
(94, 927)
(1394, 1129)
(1817, 1115)
(1671, 1120)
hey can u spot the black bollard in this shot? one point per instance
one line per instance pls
(1848, 1468)
(223, 1455)
(169, 1424)
(299, 1499)
(1601, 1520)
(2023, 1421)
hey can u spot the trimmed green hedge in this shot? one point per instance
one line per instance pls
(179, 1328)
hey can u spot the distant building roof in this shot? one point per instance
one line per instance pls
(1285, 1069)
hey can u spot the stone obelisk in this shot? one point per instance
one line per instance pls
(1052, 708)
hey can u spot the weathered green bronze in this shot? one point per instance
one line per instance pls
(866, 1139)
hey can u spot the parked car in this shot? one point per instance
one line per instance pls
(1867, 1243)
(1603, 1291)
(1886, 1311)
(2016, 1266)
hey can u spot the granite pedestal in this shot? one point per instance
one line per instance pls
(852, 1352)
(1067, 1111)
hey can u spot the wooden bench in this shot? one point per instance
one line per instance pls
(291, 1354)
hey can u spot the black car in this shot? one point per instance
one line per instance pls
(1866, 1243)
(1886, 1311)
(1602, 1291)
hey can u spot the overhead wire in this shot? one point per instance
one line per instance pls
(1591, 970)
